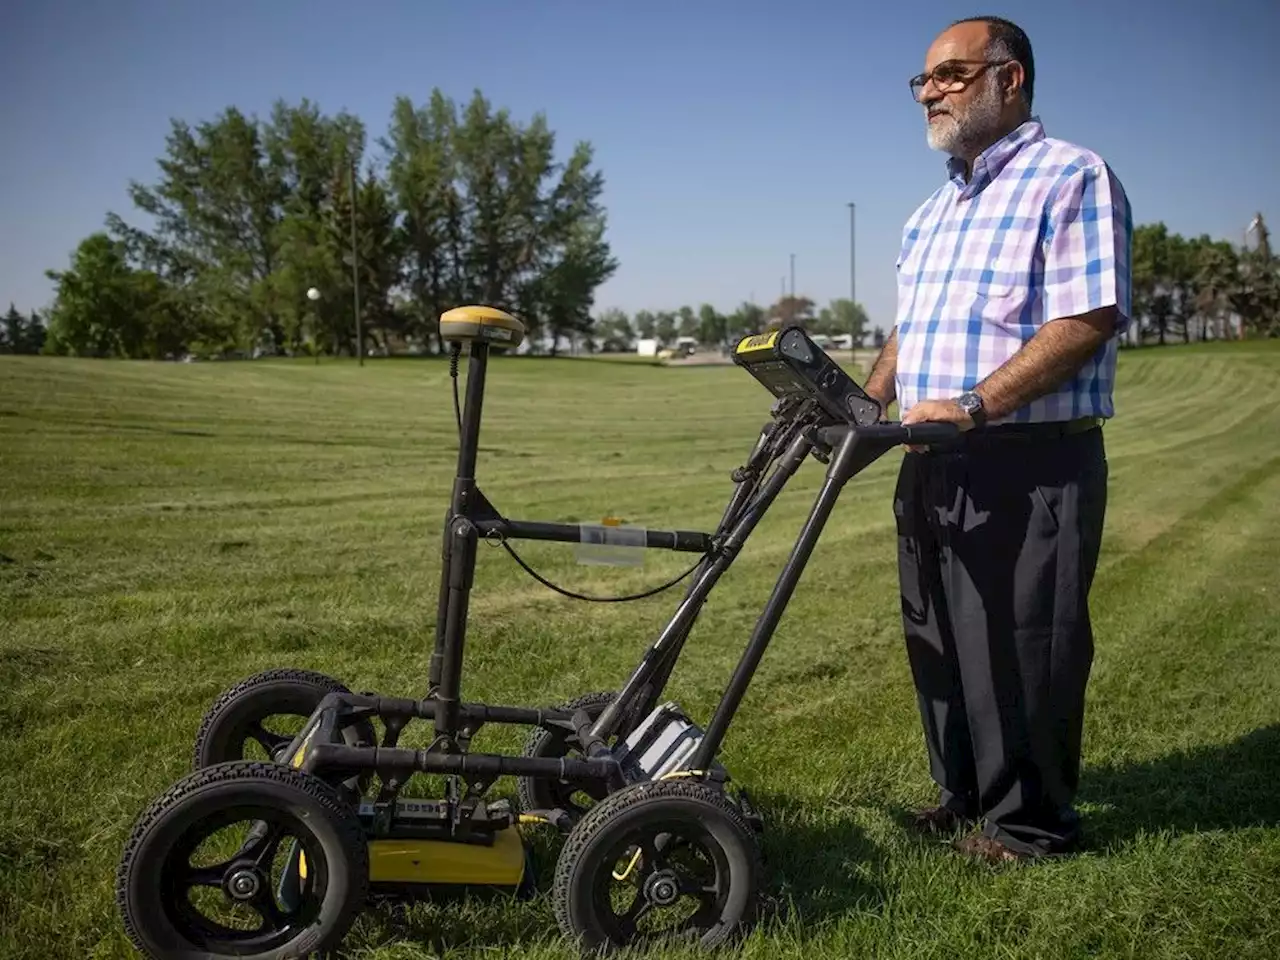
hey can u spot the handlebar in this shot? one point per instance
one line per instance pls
(893, 433)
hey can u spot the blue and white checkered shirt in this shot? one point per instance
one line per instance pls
(1042, 230)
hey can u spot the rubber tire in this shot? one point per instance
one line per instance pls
(281, 690)
(534, 793)
(683, 799)
(312, 802)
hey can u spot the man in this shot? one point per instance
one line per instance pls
(1013, 282)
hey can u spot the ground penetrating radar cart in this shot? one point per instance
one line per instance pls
(653, 825)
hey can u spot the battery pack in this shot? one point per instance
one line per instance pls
(663, 744)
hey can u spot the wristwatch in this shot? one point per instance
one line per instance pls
(971, 404)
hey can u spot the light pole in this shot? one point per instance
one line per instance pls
(313, 295)
(853, 284)
(355, 265)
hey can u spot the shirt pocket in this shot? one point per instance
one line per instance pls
(989, 301)
(992, 287)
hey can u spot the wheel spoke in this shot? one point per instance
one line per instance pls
(652, 859)
(205, 876)
(639, 907)
(269, 741)
(273, 918)
(696, 888)
(262, 845)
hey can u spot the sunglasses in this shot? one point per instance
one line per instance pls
(952, 75)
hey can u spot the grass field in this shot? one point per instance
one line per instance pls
(169, 529)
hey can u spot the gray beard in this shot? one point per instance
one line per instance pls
(965, 133)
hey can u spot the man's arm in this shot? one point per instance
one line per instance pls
(1048, 360)
(879, 386)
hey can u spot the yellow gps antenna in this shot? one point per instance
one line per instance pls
(480, 327)
(470, 323)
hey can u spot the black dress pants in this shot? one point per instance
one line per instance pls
(998, 542)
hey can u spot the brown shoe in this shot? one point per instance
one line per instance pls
(937, 820)
(981, 847)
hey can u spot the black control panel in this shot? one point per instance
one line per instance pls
(788, 363)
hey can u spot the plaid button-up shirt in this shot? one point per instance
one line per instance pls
(1041, 230)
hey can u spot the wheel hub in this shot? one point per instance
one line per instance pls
(662, 888)
(243, 885)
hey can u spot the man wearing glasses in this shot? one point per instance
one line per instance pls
(1013, 283)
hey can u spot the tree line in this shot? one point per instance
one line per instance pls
(612, 330)
(458, 204)
(20, 333)
(1200, 288)
(261, 236)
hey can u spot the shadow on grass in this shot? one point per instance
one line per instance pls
(1223, 787)
(818, 862)
(818, 865)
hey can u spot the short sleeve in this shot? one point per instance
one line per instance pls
(1087, 246)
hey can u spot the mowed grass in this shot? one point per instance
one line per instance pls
(167, 530)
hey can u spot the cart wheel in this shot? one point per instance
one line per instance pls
(236, 726)
(663, 860)
(211, 867)
(543, 793)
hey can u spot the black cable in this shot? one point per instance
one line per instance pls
(457, 414)
(453, 373)
(582, 596)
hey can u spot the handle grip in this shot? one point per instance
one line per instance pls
(910, 433)
(893, 433)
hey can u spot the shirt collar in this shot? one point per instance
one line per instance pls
(992, 160)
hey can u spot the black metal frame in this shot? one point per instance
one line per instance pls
(799, 426)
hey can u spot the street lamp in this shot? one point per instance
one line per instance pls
(355, 266)
(853, 292)
(313, 295)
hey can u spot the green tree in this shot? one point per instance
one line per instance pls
(103, 307)
(687, 323)
(712, 326)
(528, 234)
(35, 334)
(842, 317)
(420, 180)
(1152, 306)
(665, 328)
(312, 155)
(216, 206)
(792, 309)
(646, 325)
(1217, 275)
(612, 331)
(749, 318)
(380, 243)
(1198, 285)
(13, 331)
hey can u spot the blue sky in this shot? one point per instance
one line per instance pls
(731, 134)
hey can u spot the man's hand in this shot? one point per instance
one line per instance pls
(937, 411)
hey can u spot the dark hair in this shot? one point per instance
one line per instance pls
(1008, 41)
